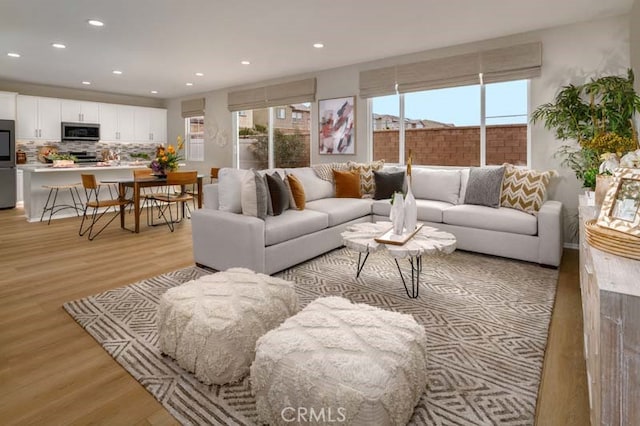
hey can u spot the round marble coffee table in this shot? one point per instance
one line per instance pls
(361, 237)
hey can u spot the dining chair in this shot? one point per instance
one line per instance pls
(163, 200)
(92, 194)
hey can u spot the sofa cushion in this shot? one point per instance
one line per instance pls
(524, 189)
(464, 180)
(347, 184)
(314, 187)
(428, 210)
(484, 186)
(387, 183)
(279, 193)
(298, 199)
(367, 182)
(493, 219)
(230, 189)
(341, 210)
(436, 184)
(292, 224)
(254, 195)
(325, 170)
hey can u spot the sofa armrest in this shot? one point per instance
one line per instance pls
(210, 196)
(223, 240)
(551, 233)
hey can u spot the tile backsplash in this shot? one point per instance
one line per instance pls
(31, 148)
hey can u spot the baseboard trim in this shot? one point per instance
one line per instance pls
(573, 246)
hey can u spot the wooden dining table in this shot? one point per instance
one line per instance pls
(136, 185)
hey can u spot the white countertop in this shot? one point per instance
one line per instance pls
(44, 168)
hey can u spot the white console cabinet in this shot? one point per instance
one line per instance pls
(610, 287)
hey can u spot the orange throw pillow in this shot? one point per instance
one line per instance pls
(297, 190)
(347, 184)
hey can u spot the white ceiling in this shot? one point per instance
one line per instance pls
(160, 44)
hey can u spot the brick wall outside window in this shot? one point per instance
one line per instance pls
(455, 146)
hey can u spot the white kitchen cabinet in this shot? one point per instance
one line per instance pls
(142, 130)
(7, 106)
(158, 126)
(79, 111)
(38, 118)
(116, 122)
(150, 125)
(19, 187)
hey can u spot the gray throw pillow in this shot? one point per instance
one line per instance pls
(484, 186)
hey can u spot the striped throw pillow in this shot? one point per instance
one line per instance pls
(524, 189)
(367, 179)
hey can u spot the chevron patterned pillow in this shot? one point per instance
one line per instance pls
(367, 180)
(524, 189)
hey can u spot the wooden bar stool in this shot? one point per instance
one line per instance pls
(54, 208)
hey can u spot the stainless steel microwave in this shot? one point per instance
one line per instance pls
(80, 132)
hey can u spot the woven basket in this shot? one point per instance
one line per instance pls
(611, 241)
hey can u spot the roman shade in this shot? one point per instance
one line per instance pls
(274, 95)
(193, 108)
(508, 63)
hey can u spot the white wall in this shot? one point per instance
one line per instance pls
(571, 54)
(635, 42)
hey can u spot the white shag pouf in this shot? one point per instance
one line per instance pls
(339, 362)
(210, 325)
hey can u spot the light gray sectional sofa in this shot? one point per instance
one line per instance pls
(223, 237)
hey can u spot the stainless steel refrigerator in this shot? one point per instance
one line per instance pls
(7, 164)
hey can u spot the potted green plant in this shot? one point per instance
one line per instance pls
(598, 117)
(61, 160)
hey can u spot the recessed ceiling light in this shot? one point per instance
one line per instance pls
(189, 84)
(59, 45)
(245, 62)
(155, 92)
(117, 72)
(199, 74)
(13, 55)
(86, 83)
(95, 23)
(318, 45)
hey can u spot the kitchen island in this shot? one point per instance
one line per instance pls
(35, 176)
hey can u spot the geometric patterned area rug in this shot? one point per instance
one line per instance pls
(486, 320)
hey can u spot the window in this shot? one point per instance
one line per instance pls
(242, 113)
(194, 140)
(506, 122)
(281, 114)
(263, 144)
(296, 115)
(386, 128)
(445, 127)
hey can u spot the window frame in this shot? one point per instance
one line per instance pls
(279, 110)
(483, 134)
(188, 140)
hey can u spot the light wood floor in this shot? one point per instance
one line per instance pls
(52, 372)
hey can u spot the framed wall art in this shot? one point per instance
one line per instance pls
(337, 125)
(621, 206)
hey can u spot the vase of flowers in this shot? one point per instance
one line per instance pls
(167, 160)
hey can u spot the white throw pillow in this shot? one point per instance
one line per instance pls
(254, 195)
(229, 189)
(439, 185)
(314, 187)
(464, 180)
